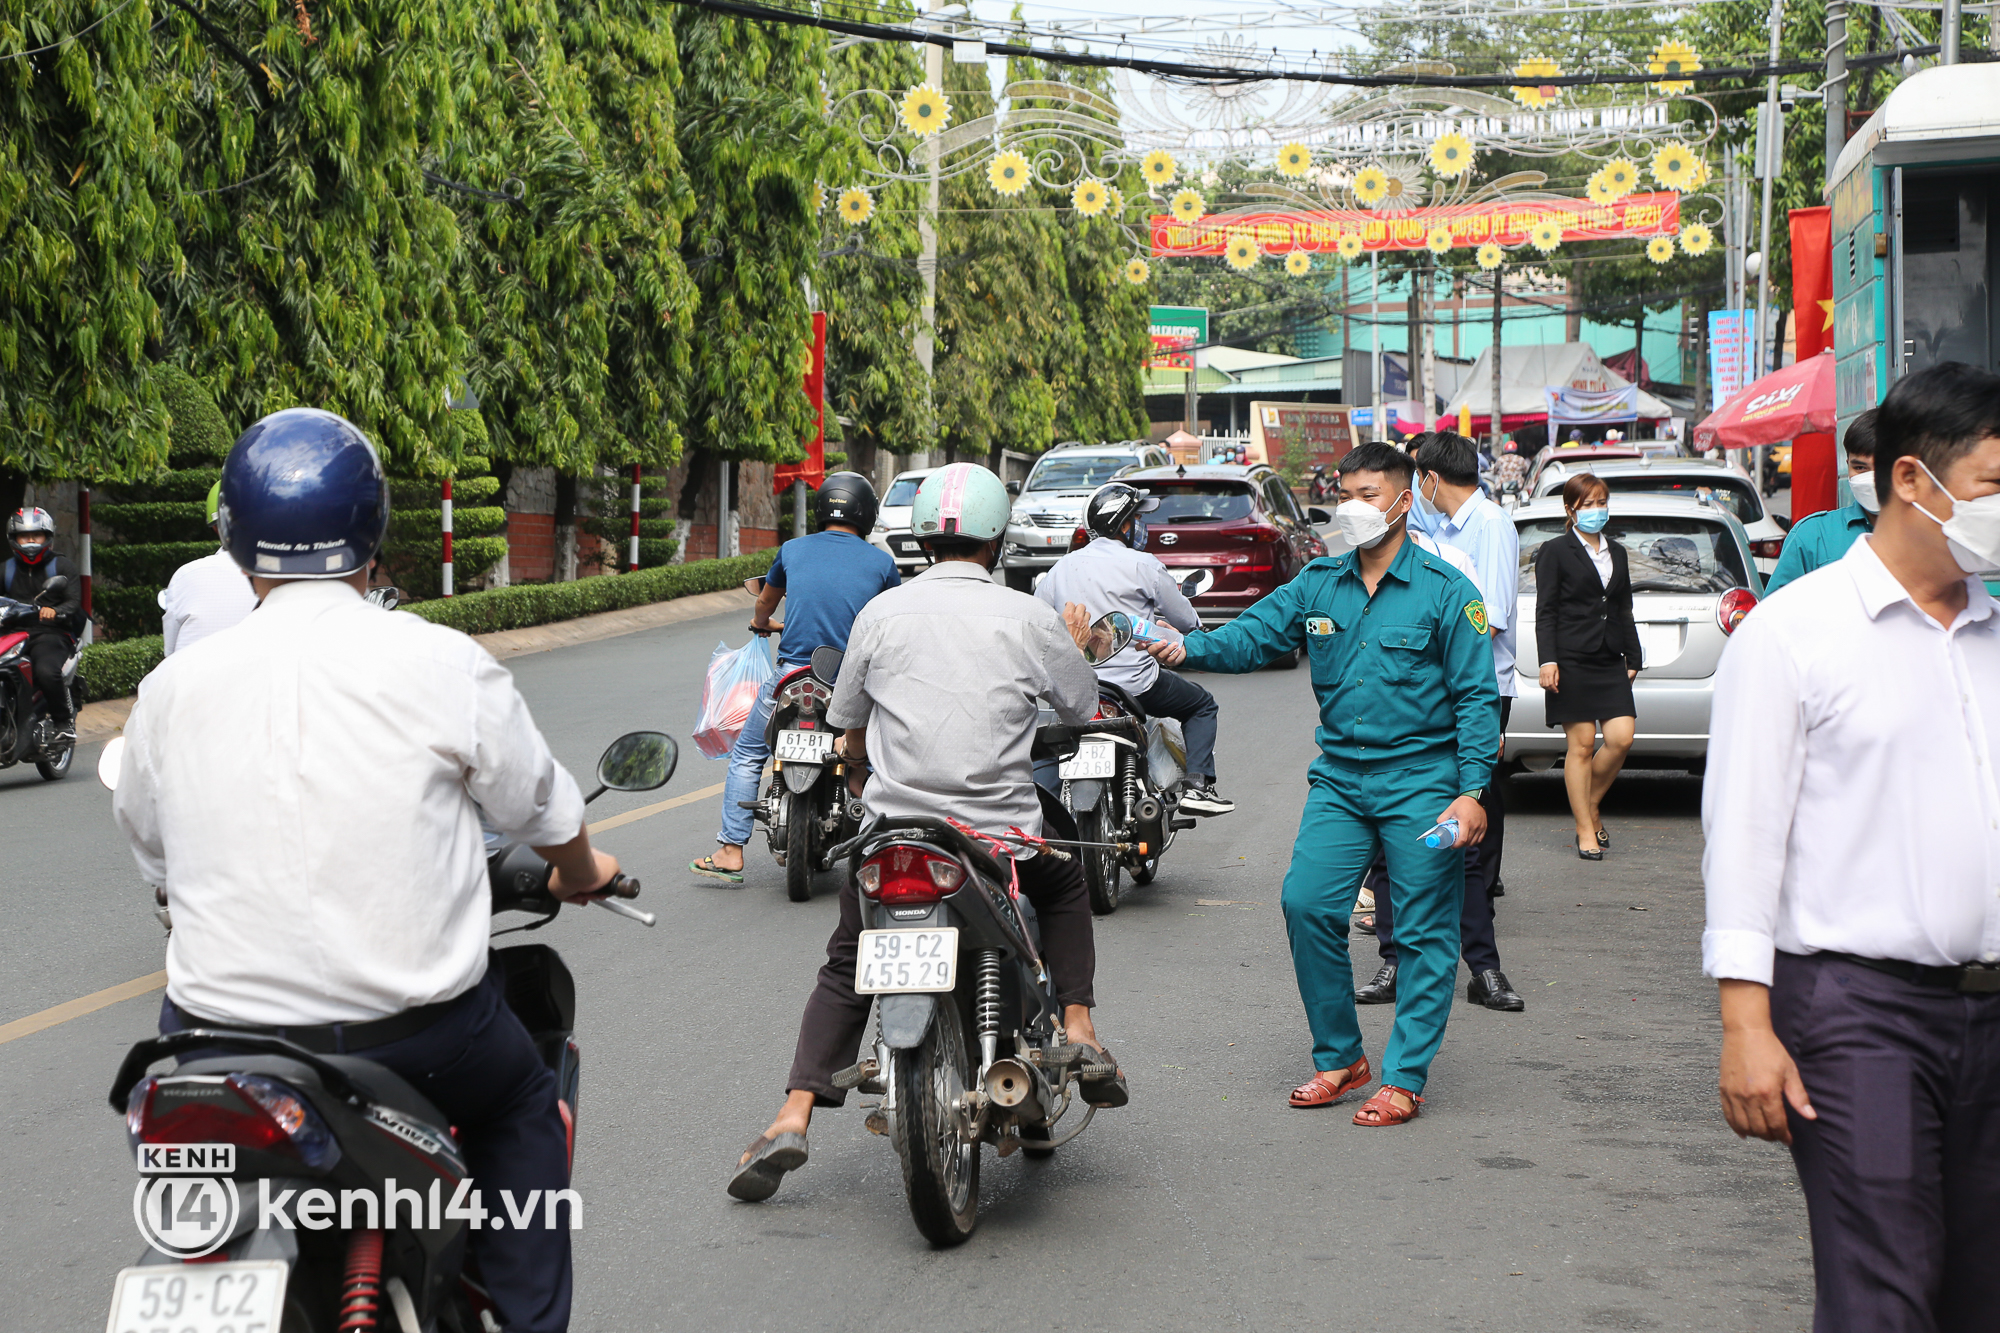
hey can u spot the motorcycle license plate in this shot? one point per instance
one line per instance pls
(246, 1297)
(1093, 759)
(804, 747)
(906, 962)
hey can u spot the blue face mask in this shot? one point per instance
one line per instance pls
(1593, 520)
(1138, 534)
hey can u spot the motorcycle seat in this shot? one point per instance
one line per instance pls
(378, 1083)
(1124, 699)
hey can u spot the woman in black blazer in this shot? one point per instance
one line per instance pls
(1590, 652)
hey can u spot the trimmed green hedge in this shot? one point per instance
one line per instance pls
(114, 670)
(429, 494)
(529, 604)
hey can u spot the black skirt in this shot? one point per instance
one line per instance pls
(1590, 692)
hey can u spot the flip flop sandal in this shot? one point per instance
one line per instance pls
(707, 866)
(1381, 1109)
(758, 1179)
(1329, 1085)
(1102, 1084)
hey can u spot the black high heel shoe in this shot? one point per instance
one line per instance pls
(1588, 855)
(1603, 838)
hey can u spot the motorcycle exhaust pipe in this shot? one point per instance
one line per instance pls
(1015, 1086)
(856, 811)
(1147, 809)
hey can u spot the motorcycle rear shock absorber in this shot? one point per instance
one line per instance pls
(986, 1007)
(361, 1287)
(1130, 763)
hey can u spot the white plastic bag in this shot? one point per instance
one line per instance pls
(735, 676)
(1166, 752)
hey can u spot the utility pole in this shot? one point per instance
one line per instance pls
(1494, 405)
(1948, 36)
(927, 222)
(1773, 154)
(1375, 342)
(1836, 83)
(1427, 329)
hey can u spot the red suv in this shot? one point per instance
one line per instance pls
(1236, 530)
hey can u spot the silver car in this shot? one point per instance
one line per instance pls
(892, 522)
(1723, 483)
(1693, 579)
(1049, 506)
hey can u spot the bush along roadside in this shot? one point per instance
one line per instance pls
(114, 670)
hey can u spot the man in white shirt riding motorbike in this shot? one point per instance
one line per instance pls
(307, 789)
(205, 596)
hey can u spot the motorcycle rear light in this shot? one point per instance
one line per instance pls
(1735, 604)
(1079, 539)
(902, 876)
(248, 1110)
(1768, 548)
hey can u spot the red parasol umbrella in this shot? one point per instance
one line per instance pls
(1784, 405)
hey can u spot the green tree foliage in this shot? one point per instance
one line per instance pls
(83, 167)
(751, 132)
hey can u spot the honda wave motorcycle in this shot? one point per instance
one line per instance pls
(1319, 486)
(274, 1122)
(37, 739)
(807, 809)
(1120, 780)
(968, 1045)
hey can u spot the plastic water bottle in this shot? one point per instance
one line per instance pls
(1145, 631)
(1440, 835)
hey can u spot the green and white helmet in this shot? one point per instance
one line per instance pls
(963, 500)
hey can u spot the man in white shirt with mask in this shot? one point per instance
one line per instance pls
(307, 789)
(1853, 877)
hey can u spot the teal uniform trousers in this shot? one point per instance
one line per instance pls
(1409, 720)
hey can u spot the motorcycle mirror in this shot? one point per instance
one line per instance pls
(386, 597)
(1318, 517)
(638, 761)
(755, 587)
(826, 664)
(110, 762)
(1109, 636)
(56, 588)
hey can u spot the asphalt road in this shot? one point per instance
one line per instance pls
(1570, 1169)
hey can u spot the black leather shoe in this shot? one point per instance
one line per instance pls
(1382, 990)
(1492, 989)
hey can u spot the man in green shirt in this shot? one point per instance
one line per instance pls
(1409, 727)
(1822, 538)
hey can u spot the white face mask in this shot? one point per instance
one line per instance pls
(1430, 505)
(1362, 524)
(1862, 486)
(1972, 531)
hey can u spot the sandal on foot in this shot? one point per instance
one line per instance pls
(1329, 1085)
(1381, 1109)
(758, 1178)
(1099, 1087)
(707, 866)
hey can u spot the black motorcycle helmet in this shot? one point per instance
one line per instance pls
(1112, 506)
(846, 497)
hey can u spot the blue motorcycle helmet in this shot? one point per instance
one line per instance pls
(303, 497)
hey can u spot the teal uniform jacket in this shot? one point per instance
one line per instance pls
(1817, 540)
(1409, 719)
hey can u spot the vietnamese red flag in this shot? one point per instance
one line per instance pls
(1813, 456)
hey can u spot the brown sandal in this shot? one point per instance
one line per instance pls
(1381, 1109)
(1329, 1085)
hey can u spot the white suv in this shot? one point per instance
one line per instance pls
(1049, 507)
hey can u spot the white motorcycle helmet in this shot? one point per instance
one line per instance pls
(963, 500)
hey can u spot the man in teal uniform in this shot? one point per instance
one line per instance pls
(1409, 727)
(1822, 538)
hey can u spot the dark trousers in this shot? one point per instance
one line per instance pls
(1482, 872)
(836, 1018)
(1901, 1171)
(1194, 708)
(47, 651)
(477, 1065)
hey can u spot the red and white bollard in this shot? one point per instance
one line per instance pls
(632, 560)
(447, 537)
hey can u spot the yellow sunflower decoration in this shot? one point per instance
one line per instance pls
(1439, 240)
(856, 205)
(1697, 239)
(1671, 58)
(819, 196)
(1491, 256)
(1536, 96)
(1622, 174)
(1159, 168)
(1188, 206)
(1242, 253)
(926, 110)
(1114, 201)
(1294, 160)
(1089, 197)
(1371, 184)
(1007, 173)
(1298, 263)
(1137, 271)
(1349, 245)
(1700, 174)
(1598, 189)
(1660, 249)
(1451, 154)
(1546, 236)
(1675, 167)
